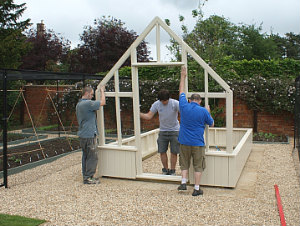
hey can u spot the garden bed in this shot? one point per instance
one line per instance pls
(17, 138)
(269, 138)
(53, 129)
(24, 154)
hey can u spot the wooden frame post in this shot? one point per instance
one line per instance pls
(118, 112)
(158, 43)
(136, 112)
(206, 105)
(229, 121)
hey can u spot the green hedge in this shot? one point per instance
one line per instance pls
(227, 69)
(244, 69)
(266, 85)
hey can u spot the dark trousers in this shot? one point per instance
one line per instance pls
(89, 157)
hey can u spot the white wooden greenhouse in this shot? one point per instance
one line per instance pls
(124, 157)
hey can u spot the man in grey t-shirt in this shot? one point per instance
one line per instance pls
(87, 132)
(167, 109)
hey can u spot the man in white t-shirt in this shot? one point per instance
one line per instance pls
(167, 109)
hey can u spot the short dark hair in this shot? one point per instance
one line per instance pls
(196, 97)
(163, 95)
(86, 89)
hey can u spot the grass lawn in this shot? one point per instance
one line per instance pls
(9, 220)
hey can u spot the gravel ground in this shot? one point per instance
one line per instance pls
(55, 192)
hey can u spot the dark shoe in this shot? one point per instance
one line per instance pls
(172, 172)
(197, 192)
(91, 181)
(182, 187)
(165, 171)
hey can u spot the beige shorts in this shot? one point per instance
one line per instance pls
(198, 154)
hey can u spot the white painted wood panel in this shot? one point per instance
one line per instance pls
(221, 171)
(207, 177)
(115, 163)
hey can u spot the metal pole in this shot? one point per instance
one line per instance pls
(295, 120)
(297, 116)
(4, 76)
(58, 110)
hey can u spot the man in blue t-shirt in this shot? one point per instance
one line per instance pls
(168, 109)
(86, 116)
(193, 119)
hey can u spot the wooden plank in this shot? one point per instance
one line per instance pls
(158, 42)
(221, 171)
(158, 177)
(136, 112)
(210, 95)
(120, 94)
(118, 164)
(184, 60)
(206, 105)
(156, 64)
(116, 147)
(118, 112)
(100, 121)
(229, 121)
(241, 152)
(207, 177)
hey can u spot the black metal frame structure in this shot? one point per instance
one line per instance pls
(30, 75)
(297, 116)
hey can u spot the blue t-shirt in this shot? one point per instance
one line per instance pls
(86, 117)
(168, 114)
(193, 119)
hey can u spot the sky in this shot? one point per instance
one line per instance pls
(69, 17)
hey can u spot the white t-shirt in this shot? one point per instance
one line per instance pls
(168, 114)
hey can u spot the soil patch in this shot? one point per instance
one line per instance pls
(269, 137)
(23, 154)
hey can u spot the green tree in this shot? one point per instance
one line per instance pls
(287, 46)
(280, 43)
(255, 45)
(216, 37)
(292, 45)
(12, 41)
(212, 38)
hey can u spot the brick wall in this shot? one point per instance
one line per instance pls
(128, 121)
(277, 123)
(40, 106)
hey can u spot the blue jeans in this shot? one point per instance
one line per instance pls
(89, 157)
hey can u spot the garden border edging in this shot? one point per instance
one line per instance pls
(32, 165)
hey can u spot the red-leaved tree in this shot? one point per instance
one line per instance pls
(103, 45)
(47, 51)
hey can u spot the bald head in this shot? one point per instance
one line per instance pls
(195, 97)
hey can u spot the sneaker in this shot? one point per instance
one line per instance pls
(172, 172)
(197, 192)
(182, 187)
(165, 171)
(91, 180)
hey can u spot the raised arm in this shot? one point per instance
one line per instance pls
(208, 109)
(182, 79)
(102, 100)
